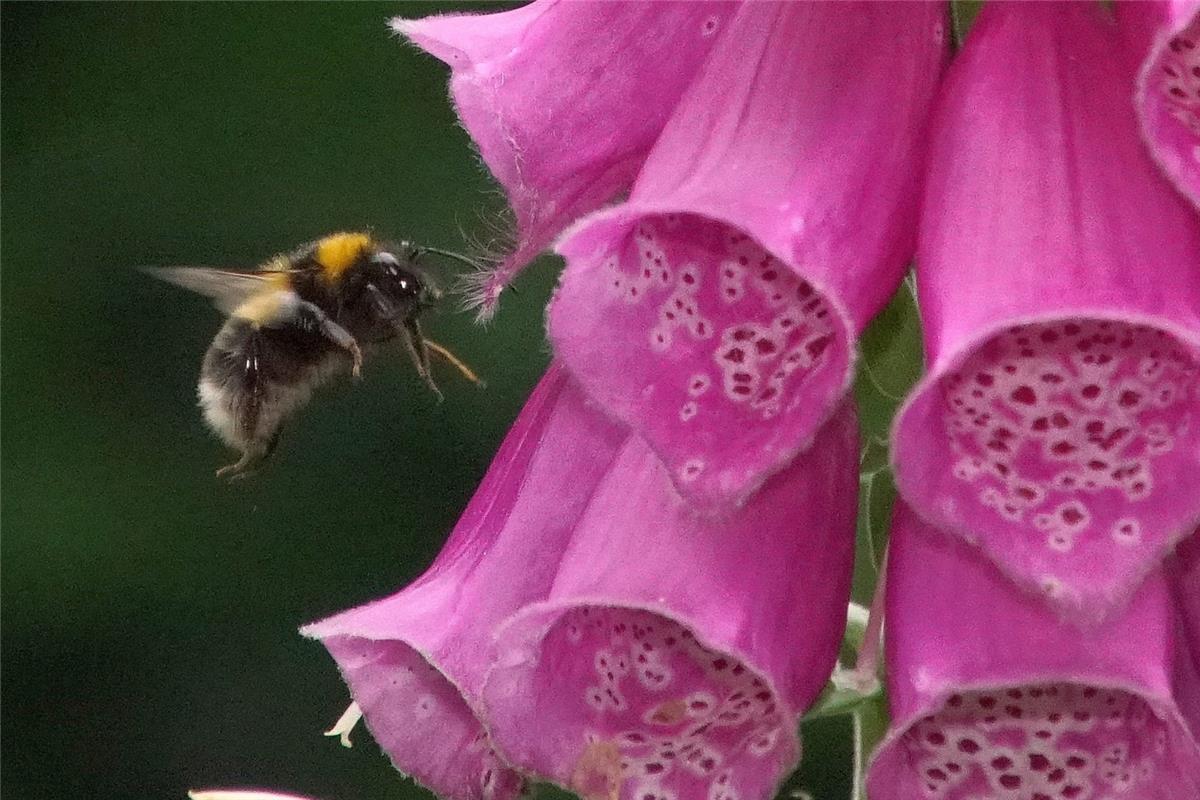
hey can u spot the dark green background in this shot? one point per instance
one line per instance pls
(149, 612)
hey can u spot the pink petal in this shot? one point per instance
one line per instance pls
(564, 101)
(1168, 89)
(415, 661)
(1059, 287)
(675, 652)
(994, 696)
(714, 312)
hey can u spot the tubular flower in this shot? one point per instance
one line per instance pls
(715, 310)
(415, 661)
(564, 100)
(994, 696)
(675, 653)
(1168, 89)
(1059, 288)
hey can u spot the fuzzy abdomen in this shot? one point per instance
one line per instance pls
(253, 378)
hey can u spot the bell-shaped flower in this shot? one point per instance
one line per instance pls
(564, 100)
(415, 662)
(675, 652)
(1166, 36)
(1058, 280)
(715, 310)
(994, 695)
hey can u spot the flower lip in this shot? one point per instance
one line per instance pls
(398, 709)
(705, 738)
(1029, 460)
(1064, 737)
(1168, 98)
(733, 357)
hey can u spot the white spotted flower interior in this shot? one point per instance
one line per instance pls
(1167, 37)
(1026, 706)
(561, 142)
(1041, 742)
(415, 662)
(1059, 427)
(672, 658)
(715, 310)
(733, 345)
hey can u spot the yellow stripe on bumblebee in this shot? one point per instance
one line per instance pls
(338, 252)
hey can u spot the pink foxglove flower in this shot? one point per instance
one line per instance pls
(564, 100)
(675, 652)
(1058, 279)
(995, 696)
(715, 311)
(415, 661)
(1168, 91)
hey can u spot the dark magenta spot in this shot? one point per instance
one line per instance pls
(817, 346)
(1129, 398)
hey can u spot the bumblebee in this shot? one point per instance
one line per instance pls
(297, 321)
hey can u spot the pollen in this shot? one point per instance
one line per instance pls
(338, 252)
(597, 773)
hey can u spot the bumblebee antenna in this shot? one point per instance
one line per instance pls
(450, 254)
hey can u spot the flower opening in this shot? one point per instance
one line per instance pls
(675, 653)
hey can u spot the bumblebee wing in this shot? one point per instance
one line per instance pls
(227, 289)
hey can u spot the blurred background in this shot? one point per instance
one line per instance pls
(150, 611)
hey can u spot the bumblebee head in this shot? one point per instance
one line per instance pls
(394, 272)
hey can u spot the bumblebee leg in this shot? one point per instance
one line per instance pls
(410, 331)
(242, 468)
(419, 352)
(338, 335)
(252, 458)
(455, 362)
